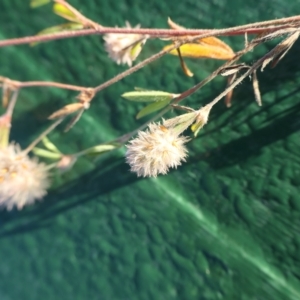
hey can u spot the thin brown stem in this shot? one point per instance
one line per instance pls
(192, 90)
(51, 84)
(40, 137)
(12, 103)
(252, 69)
(254, 28)
(132, 69)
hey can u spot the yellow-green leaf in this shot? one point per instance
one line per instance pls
(49, 145)
(152, 108)
(64, 12)
(196, 128)
(45, 153)
(37, 3)
(195, 50)
(148, 96)
(136, 49)
(100, 149)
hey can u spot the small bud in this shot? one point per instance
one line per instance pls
(201, 119)
(182, 122)
(66, 163)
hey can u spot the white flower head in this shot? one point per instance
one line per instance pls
(156, 150)
(124, 48)
(22, 179)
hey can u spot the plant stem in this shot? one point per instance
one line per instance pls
(254, 28)
(132, 69)
(12, 103)
(51, 84)
(40, 137)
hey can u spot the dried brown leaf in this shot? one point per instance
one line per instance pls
(74, 120)
(289, 42)
(233, 69)
(183, 65)
(67, 110)
(6, 93)
(265, 63)
(270, 35)
(280, 50)
(173, 25)
(181, 107)
(86, 96)
(230, 80)
(256, 89)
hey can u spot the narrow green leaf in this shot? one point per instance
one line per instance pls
(45, 153)
(100, 149)
(148, 96)
(152, 108)
(50, 146)
(64, 12)
(37, 3)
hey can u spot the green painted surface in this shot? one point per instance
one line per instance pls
(226, 225)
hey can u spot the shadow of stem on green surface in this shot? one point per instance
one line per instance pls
(237, 150)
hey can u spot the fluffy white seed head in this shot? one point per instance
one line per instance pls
(156, 150)
(124, 48)
(22, 179)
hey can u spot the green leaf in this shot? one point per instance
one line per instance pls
(45, 153)
(136, 50)
(148, 96)
(64, 12)
(37, 3)
(152, 108)
(100, 149)
(50, 146)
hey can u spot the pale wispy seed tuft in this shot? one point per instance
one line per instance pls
(124, 48)
(22, 179)
(156, 150)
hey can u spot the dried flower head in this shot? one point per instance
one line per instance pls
(124, 48)
(156, 150)
(22, 179)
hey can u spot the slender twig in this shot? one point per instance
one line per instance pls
(12, 103)
(51, 84)
(39, 138)
(253, 68)
(133, 69)
(214, 74)
(254, 28)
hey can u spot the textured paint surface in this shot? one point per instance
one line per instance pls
(226, 225)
